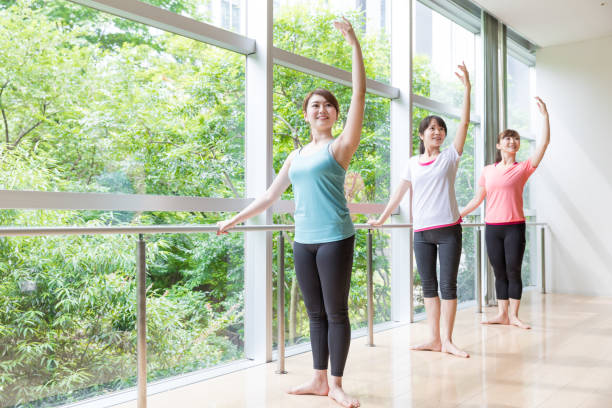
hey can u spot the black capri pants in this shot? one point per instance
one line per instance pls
(506, 247)
(324, 275)
(445, 243)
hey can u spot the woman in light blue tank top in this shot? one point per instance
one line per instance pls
(324, 232)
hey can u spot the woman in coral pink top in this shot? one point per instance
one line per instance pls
(502, 183)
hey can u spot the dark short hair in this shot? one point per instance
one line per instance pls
(329, 97)
(505, 133)
(425, 124)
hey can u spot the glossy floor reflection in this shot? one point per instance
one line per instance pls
(564, 361)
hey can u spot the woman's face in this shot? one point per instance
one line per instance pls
(320, 113)
(509, 144)
(434, 135)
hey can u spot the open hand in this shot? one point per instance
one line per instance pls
(347, 31)
(541, 106)
(465, 78)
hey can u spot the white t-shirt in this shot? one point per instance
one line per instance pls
(434, 204)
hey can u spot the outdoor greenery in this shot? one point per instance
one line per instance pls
(93, 103)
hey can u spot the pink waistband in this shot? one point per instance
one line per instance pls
(505, 223)
(459, 221)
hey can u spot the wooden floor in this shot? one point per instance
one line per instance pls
(564, 361)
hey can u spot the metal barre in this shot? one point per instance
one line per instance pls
(180, 229)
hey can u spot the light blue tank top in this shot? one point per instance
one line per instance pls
(321, 214)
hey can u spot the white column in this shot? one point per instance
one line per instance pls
(401, 125)
(258, 169)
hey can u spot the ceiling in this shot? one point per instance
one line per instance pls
(553, 22)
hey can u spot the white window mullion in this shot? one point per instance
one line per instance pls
(59, 200)
(329, 72)
(401, 129)
(259, 175)
(174, 23)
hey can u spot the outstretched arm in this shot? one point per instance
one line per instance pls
(541, 149)
(462, 129)
(472, 205)
(273, 193)
(394, 201)
(346, 144)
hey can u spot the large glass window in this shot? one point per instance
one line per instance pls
(520, 99)
(440, 45)
(97, 103)
(227, 14)
(69, 305)
(305, 27)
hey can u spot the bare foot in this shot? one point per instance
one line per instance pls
(515, 321)
(338, 395)
(434, 345)
(450, 348)
(498, 319)
(313, 387)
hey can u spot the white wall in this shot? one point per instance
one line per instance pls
(573, 186)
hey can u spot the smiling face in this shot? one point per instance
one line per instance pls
(509, 141)
(320, 109)
(320, 113)
(432, 132)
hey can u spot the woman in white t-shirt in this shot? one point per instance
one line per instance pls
(436, 219)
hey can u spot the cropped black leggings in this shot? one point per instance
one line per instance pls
(446, 243)
(505, 247)
(324, 274)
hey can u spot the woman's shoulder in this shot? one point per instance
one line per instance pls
(292, 155)
(413, 160)
(486, 169)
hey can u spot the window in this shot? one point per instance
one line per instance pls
(227, 14)
(440, 45)
(97, 103)
(69, 305)
(122, 108)
(305, 28)
(520, 98)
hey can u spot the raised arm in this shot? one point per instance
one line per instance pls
(472, 205)
(394, 201)
(346, 144)
(537, 156)
(462, 129)
(273, 193)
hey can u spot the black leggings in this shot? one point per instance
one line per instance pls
(324, 274)
(426, 245)
(505, 247)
